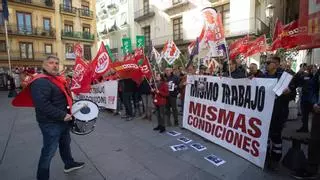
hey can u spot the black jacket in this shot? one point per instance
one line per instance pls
(49, 101)
(129, 85)
(173, 84)
(144, 87)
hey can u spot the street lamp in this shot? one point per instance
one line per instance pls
(269, 11)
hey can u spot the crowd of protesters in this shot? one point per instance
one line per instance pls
(161, 97)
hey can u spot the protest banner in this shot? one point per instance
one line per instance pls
(103, 94)
(233, 113)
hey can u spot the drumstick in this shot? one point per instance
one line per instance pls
(76, 111)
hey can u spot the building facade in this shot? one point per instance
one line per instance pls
(178, 20)
(38, 28)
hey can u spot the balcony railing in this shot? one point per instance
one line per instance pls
(246, 26)
(77, 35)
(144, 13)
(17, 55)
(29, 31)
(68, 9)
(38, 3)
(86, 13)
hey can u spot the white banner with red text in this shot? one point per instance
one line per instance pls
(103, 94)
(233, 113)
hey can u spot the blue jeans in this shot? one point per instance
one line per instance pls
(54, 134)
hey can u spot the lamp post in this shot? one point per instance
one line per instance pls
(269, 14)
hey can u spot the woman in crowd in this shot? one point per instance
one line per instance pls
(160, 100)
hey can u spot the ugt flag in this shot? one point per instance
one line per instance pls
(101, 63)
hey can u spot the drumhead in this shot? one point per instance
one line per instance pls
(85, 110)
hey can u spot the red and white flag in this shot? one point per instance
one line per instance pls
(101, 63)
(170, 52)
(82, 77)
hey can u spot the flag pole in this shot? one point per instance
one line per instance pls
(8, 47)
(227, 54)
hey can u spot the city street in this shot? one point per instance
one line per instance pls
(117, 150)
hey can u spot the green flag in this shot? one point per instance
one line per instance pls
(109, 52)
(140, 41)
(127, 46)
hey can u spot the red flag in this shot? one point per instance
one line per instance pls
(101, 63)
(82, 77)
(128, 69)
(143, 62)
(309, 19)
(239, 47)
(290, 36)
(256, 46)
(277, 30)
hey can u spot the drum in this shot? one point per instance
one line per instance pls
(85, 114)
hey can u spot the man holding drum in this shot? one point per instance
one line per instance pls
(52, 99)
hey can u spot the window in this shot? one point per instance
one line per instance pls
(48, 48)
(85, 10)
(69, 51)
(1, 18)
(174, 2)
(24, 22)
(68, 28)
(67, 4)
(87, 52)
(177, 29)
(86, 31)
(224, 10)
(26, 50)
(3, 47)
(145, 7)
(46, 24)
(86, 28)
(146, 33)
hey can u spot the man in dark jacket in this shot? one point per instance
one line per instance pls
(129, 87)
(278, 115)
(173, 82)
(254, 71)
(53, 116)
(236, 72)
(311, 170)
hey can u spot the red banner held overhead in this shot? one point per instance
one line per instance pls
(256, 46)
(128, 70)
(239, 47)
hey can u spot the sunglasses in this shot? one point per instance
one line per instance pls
(269, 62)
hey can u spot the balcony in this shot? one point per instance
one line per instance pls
(49, 4)
(16, 56)
(144, 14)
(82, 36)
(253, 26)
(86, 13)
(40, 32)
(68, 10)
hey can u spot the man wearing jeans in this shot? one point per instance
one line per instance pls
(173, 82)
(52, 100)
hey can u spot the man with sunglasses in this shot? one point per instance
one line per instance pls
(278, 115)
